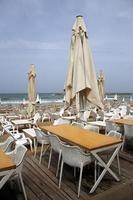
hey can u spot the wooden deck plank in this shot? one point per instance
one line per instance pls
(52, 180)
(41, 183)
(69, 183)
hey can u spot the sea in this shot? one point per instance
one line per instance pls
(19, 98)
(22, 98)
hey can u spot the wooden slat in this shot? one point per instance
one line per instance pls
(41, 183)
(51, 180)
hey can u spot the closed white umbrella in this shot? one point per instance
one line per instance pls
(101, 81)
(81, 83)
(31, 90)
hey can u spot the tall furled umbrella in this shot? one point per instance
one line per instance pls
(31, 91)
(101, 80)
(81, 83)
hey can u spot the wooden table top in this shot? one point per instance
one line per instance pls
(98, 123)
(79, 136)
(30, 132)
(123, 121)
(5, 162)
(21, 121)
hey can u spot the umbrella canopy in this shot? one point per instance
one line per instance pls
(81, 83)
(100, 81)
(31, 90)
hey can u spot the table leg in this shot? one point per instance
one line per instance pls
(106, 167)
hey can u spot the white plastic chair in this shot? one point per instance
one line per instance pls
(45, 117)
(18, 156)
(19, 138)
(42, 139)
(35, 119)
(6, 145)
(92, 128)
(80, 125)
(55, 145)
(61, 121)
(110, 126)
(75, 157)
(53, 116)
(86, 115)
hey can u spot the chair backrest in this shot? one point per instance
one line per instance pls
(72, 155)
(78, 124)
(52, 117)
(45, 116)
(40, 135)
(18, 154)
(115, 116)
(6, 145)
(92, 128)
(55, 142)
(60, 121)
(115, 134)
(128, 131)
(11, 131)
(61, 112)
(86, 115)
(123, 112)
(9, 126)
(109, 126)
(93, 115)
(36, 118)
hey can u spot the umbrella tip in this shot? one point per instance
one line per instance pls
(79, 16)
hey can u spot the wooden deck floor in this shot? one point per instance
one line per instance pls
(41, 183)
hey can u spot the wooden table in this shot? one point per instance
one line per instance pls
(5, 162)
(91, 141)
(123, 121)
(31, 134)
(12, 117)
(7, 167)
(19, 122)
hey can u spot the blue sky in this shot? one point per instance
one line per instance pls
(39, 32)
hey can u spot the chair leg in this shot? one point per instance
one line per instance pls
(36, 144)
(123, 142)
(43, 152)
(80, 178)
(40, 159)
(35, 147)
(95, 171)
(30, 143)
(118, 162)
(62, 163)
(22, 184)
(74, 171)
(57, 171)
(50, 155)
(31, 148)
